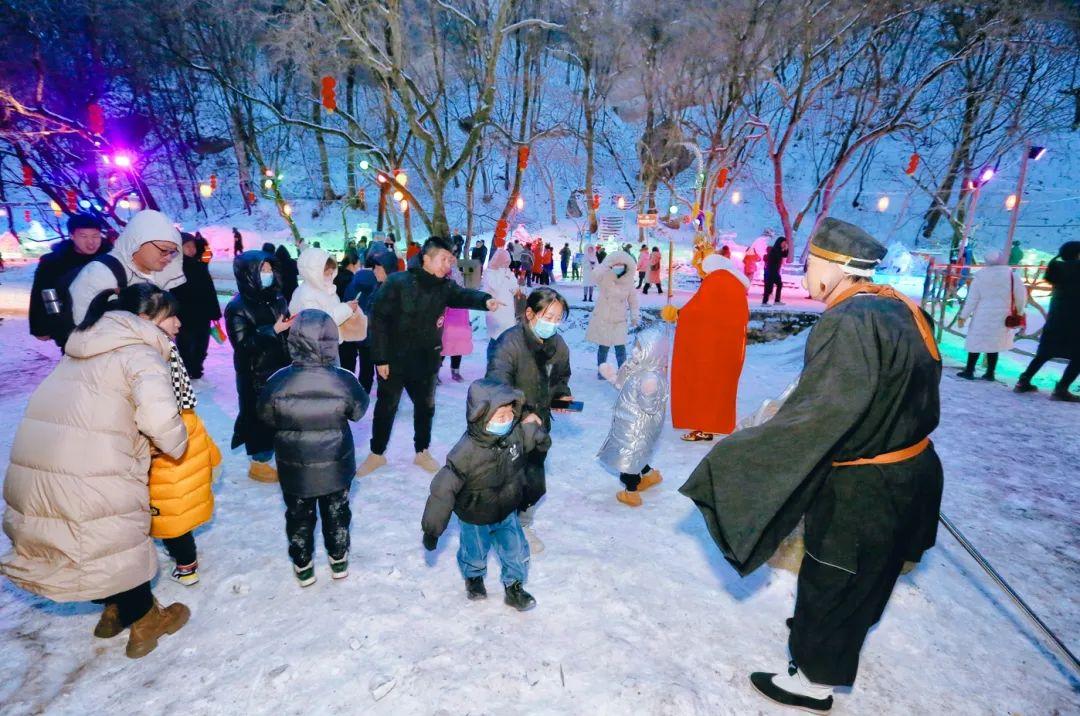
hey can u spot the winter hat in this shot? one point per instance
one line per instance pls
(146, 226)
(82, 221)
(857, 252)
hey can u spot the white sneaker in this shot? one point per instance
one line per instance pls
(370, 465)
(426, 462)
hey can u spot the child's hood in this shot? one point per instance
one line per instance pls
(486, 397)
(311, 265)
(313, 339)
(650, 352)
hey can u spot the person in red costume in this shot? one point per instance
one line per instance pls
(710, 344)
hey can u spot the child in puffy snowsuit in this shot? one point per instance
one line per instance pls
(483, 482)
(638, 414)
(309, 404)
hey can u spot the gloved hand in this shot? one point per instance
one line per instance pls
(430, 542)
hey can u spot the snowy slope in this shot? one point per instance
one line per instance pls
(637, 611)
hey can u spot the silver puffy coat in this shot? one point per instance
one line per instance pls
(638, 415)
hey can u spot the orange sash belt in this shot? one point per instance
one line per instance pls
(890, 292)
(887, 458)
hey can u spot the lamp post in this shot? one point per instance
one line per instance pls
(976, 185)
(1030, 152)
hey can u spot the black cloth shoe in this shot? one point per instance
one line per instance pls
(988, 376)
(518, 598)
(1064, 395)
(764, 684)
(1025, 386)
(474, 588)
(966, 375)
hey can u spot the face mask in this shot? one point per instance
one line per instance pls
(500, 428)
(267, 279)
(619, 271)
(545, 329)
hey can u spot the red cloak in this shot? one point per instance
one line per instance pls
(710, 344)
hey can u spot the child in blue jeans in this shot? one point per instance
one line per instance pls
(483, 482)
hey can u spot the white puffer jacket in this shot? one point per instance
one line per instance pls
(78, 503)
(502, 284)
(315, 291)
(986, 307)
(617, 295)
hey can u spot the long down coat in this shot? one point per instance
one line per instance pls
(616, 301)
(986, 307)
(78, 504)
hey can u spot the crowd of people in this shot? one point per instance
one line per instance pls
(311, 337)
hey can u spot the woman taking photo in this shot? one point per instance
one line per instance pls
(77, 494)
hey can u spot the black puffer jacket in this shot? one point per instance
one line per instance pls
(483, 480)
(258, 352)
(287, 271)
(52, 267)
(309, 405)
(405, 330)
(540, 369)
(1061, 334)
(197, 295)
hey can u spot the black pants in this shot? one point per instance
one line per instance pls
(640, 279)
(772, 280)
(421, 389)
(300, 525)
(564, 266)
(348, 355)
(182, 548)
(632, 481)
(658, 289)
(132, 604)
(192, 342)
(1072, 370)
(991, 362)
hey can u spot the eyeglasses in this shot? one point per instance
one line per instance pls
(170, 251)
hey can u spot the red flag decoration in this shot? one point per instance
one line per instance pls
(523, 157)
(95, 119)
(26, 215)
(721, 178)
(72, 200)
(27, 175)
(213, 182)
(913, 164)
(329, 96)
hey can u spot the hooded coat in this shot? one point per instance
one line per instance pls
(656, 263)
(483, 480)
(61, 261)
(502, 284)
(987, 305)
(78, 504)
(258, 352)
(197, 295)
(181, 489)
(608, 323)
(1061, 334)
(309, 406)
(144, 227)
(637, 417)
(710, 345)
(588, 267)
(317, 293)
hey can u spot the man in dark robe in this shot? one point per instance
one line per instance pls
(849, 451)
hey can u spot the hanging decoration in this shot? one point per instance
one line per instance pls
(251, 197)
(329, 93)
(501, 229)
(95, 118)
(26, 216)
(913, 164)
(721, 178)
(205, 191)
(72, 198)
(27, 175)
(522, 157)
(55, 208)
(595, 202)
(213, 182)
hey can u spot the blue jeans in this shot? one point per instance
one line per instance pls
(262, 456)
(508, 539)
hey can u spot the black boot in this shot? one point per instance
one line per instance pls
(1024, 386)
(988, 376)
(966, 375)
(1062, 393)
(474, 588)
(518, 598)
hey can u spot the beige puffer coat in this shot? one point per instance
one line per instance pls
(618, 294)
(78, 503)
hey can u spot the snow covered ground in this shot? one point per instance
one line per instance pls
(638, 613)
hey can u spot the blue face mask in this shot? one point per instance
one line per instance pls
(267, 279)
(500, 429)
(619, 271)
(545, 329)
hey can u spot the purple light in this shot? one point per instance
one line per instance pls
(1036, 153)
(123, 160)
(986, 175)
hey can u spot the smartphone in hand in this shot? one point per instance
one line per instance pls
(574, 406)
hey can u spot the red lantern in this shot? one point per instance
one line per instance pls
(251, 197)
(27, 175)
(26, 215)
(721, 178)
(523, 157)
(213, 182)
(913, 164)
(501, 229)
(95, 119)
(595, 201)
(329, 95)
(72, 200)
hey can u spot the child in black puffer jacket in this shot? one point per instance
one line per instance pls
(309, 405)
(483, 482)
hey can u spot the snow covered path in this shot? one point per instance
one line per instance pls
(637, 611)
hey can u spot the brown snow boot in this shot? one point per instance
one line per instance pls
(626, 497)
(109, 625)
(153, 625)
(652, 478)
(262, 472)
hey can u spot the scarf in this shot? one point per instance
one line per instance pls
(181, 383)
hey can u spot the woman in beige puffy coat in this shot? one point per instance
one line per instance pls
(78, 501)
(618, 297)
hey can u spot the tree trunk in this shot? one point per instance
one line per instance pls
(243, 168)
(350, 156)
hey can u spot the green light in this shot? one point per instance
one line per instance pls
(364, 165)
